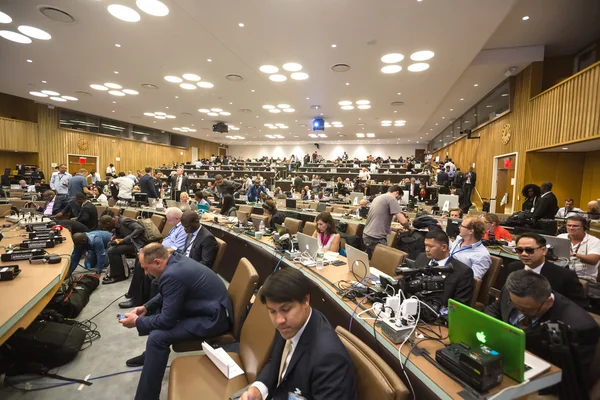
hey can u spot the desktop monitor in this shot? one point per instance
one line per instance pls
(290, 203)
(308, 244)
(452, 200)
(140, 197)
(321, 207)
(453, 227)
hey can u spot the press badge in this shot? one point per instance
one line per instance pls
(296, 395)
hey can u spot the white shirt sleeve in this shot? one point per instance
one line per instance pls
(264, 391)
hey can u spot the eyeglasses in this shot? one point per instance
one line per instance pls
(522, 310)
(528, 250)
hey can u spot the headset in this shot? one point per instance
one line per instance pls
(268, 207)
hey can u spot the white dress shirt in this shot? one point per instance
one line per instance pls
(125, 186)
(441, 262)
(189, 246)
(537, 269)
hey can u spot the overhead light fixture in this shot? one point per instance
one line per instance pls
(34, 32)
(525, 18)
(363, 102)
(392, 58)
(131, 92)
(283, 106)
(418, 67)
(173, 79)
(226, 113)
(160, 113)
(241, 25)
(275, 110)
(278, 78)
(203, 110)
(345, 103)
(209, 60)
(5, 18)
(216, 109)
(360, 135)
(98, 87)
(477, 84)
(170, 116)
(268, 107)
(370, 135)
(289, 110)
(50, 93)
(187, 86)
(391, 69)
(15, 37)
(124, 13)
(116, 93)
(205, 85)
(299, 76)
(149, 114)
(269, 69)
(113, 86)
(191, 77)
(347, 107)
(292, 67)
(71, 98)
(29, 61)
(160, 117)
(153, 7)
(59, 99)
(422, 55)
(565, 148)
(38, 94)
(334, 45)
(117, 45)
(213, 114)
(364, 107)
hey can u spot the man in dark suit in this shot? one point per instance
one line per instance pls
(179, 183)
(307, 359)
(547, 205)
(442, 177)
(527, 301)
(531, 249)
(200, 244)
(53, 204)
(147, 184)
(470, 178)
(88, 214)
(412, 188)
(459, 283)
(194, 304)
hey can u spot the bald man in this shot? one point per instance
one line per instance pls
(363, 210)
(593, 210)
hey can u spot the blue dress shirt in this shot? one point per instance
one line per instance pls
(176, 237)
(474, 255)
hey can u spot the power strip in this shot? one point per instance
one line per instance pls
(395, 329)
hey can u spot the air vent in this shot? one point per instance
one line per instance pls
(315, 106)
(245, 110)
(397, 103)
(187, 114)
(234, 77)
(149, 86)
(57, 15)
(81, 93)
(340, 68)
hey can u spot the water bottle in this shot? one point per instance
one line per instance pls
(319, 259)
(261, 227)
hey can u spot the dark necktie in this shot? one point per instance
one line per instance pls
(433, 264)
(188, 239)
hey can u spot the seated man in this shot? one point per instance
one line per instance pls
(200, 244)
(531, 249)
(88, 214)
(456, 213)
(468, 249)
(459, 284)
(255, 191)
(93, 246)
(128, 237)
(194, 304)
(593, 210)
(527, 301)
(307, 359)
(585, 248)
(53, 204)
(363, 210)
(568, 210)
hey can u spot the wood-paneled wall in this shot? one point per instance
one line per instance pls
(8, 159)
(53, 144)
(590, 186)
(566, 113)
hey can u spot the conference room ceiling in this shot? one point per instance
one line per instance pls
(474, 42)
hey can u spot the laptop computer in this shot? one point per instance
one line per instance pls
(321, 207)
(290, 203)
(560, 246)
(355, 197)
(453, 227)
(308, 244)
(280, 203)
(242, 217)
(474, 328)
(171, 203)
(358, 262)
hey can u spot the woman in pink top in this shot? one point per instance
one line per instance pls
(325, 233)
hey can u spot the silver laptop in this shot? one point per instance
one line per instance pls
(308, 244)
(356, 195)
(560, 246)
(358, 262)
(171, 203)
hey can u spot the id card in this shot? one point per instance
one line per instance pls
(294, 396)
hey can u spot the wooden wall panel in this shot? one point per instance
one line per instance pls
(590, 187)
(564, 170)
(9, 159)
(18, 135)
(563, 114)
(19, 108)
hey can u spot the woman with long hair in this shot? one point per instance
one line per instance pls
(531, 193)
(228, 208)
(326, 234)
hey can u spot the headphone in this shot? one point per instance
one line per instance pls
(268, 207)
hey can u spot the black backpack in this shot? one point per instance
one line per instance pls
(412, 243)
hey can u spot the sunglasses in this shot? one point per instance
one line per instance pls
(528, 250)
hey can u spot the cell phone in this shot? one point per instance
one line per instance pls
(338, 263)
(120, 316)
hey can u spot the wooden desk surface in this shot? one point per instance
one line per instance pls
(26, 296)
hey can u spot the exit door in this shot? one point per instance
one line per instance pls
(74, 164)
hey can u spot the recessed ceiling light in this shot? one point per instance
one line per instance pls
(278, 78)
(187, 86)
(269, 69)
(370, 135)
(289, 110)
(29, 61)
(117, 45)
(191, 77)
(504, 94)
(113, 86)
(98, 87)
(283, 106)
(130, 91)
(418, 67)
(275, 110)
(173, 79)
(34, 32)
(160, 117)
(565, 148)
(392, 58)
(50, 93)
(124, 13)
(364, 107)
(347, 107)
(525, 18)
(213, 114)
(476, 85)
(292, 67)
(360, 135)
(170, 116)
(299, 76)
(15, 37)
(205, 85)
(71, 98)
(153, 7)
(203, 110)
(5, 18)
(268, 107)
(347, 83)
(116, 93)
(241, 25)
(345, 103)
(363, 102)
(226, 113)
(149, 114)
(216, 110)
(391, 69)
(60, 99)
(160, 113)
(38, 94)
(422, 55)
(334, 45)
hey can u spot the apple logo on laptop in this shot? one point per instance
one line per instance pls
(480, 336)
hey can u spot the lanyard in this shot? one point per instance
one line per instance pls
(455, 251)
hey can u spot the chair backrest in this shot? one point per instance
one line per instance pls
(256, 339)
(386, 259)
(100, 209)
(374, 377)
(476, 290)
(159, 221)
(391, 239)
(339, 210)
(354, 228)
(241, 288)
(133, 214)
(264, 218)
(489, 279)
(116, 210)
(18, 203)
(166, 229)
(245, 208)
(220, 254)
(4, 210)
(309, 228)
(293, 225)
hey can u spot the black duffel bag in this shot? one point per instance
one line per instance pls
(74, 294)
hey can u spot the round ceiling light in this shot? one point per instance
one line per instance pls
(149, 114)
(130, 91)
(400, 121)
(5, 18)
(15, 37)
(160, 113)
(364, 107)
(50, 92)
(226, 113)
(391, 69)
(292, 67)
(216, 109)
(116, 93)
(283, 106)
(160, 117)
(153, 7)
(418, 67)
(34, 32)
(205, 85)
(213, 114)
(363, 102)
(268, 107)
(278, 78)
(71, 98)
(289, 110)
(269, 69)
(98, 87)
(113, 86)
(275, 110)
(422, 55)
(347, 107)
(124, 13)
(299, 76)
(392, 58)
(170, 116)
(187, 86)
(345, 103)
(59, 99)
(38, 94)
(203, 110)
(173, 79)
(191, 77)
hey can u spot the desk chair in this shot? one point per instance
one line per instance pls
(355, 229)
(100, 210)
(116, 210)
(264, 218)
(220, 253)
(240, 292)
(293, 225)
(488, 281)
(309, 228)
(133, 214)
(4, 210)
(476, 290)
(387, 259)
(159, 221)
(374, 378)
(166, 229)
(191, 375)
(245, 208)
(18, 203)
(391, 239)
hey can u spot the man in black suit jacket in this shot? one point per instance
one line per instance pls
(88, 214)
(442, 177)
(179, 183)
(547, 205)
(562, 280)
(307, 358)
(459, 283)
(527, 301)
(412, 188)
(147, 184)
(200, 244)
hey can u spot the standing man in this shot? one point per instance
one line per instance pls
(92, 246)
(547, 206)
(179, 183)
(111, 171)
(308, 360)
(468, 247)
(224, 187)
(77, 184)
(94, 176)
(255, 190)
(379, 219)
(60, 181)
(147, 184)
(125, 187)
(469, 183)
(193, 303)
(585, 248)
(442, 177)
